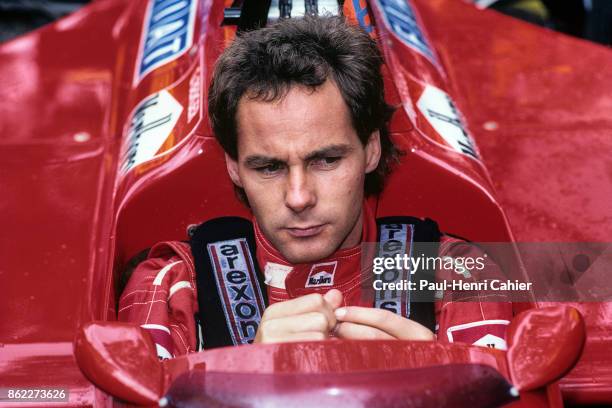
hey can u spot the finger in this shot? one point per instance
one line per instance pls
(354, 331)
(334, 298)
(307, 322)
(293, 337)
(315, 302)
(391, 323)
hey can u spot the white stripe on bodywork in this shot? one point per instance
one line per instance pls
(156, 326)
(178, 286)
(162, 273)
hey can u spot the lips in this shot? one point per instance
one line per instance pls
(305, 232)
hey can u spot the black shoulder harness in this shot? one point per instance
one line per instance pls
(229, 282)
(414, 237)
(232, 295)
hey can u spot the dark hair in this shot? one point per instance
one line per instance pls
(263, 64)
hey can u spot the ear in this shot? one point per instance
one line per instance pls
(232, 170)
(373, 151)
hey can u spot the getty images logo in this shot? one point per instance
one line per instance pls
(321, 275)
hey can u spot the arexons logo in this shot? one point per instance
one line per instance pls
(237, 284)
(321, 275)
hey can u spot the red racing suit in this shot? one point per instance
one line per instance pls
(161, 293)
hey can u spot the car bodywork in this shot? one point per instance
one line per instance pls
(106, 150)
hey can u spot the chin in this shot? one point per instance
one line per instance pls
(306, 253)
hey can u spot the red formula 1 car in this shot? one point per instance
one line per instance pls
(106, 150)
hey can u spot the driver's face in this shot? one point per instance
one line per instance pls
(302, 168)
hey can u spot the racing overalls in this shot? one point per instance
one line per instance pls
(212, 291)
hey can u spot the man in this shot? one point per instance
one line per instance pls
(299, 109)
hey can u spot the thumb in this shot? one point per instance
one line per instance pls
(334, 298)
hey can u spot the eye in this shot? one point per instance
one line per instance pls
(326, 162)
(269, 169)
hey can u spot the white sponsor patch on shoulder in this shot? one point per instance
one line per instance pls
(485, 333)
(321, 275)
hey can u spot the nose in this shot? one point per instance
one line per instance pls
(300, 194)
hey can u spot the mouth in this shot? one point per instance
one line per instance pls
(306, 231)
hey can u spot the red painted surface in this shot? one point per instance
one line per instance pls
(121, 360)
(547, 98)
(543, 345)
(451, 386)
(70, 221)
(338, 357)
(549, 95)
(57, 192)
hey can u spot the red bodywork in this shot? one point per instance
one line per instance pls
(537, 104)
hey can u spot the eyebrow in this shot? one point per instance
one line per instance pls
(258, 160)
(330, 151)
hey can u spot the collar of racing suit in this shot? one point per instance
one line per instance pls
(340, 270)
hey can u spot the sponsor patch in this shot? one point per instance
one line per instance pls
(400, 17)
(151, 124)
(321, 275)
(167, 33)
(158, 123)
(195, 88)
(441, 113)
(238, 286)
(395, 239)
(485, 333)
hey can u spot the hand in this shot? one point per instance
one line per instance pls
(364, 323)
(309, 317)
